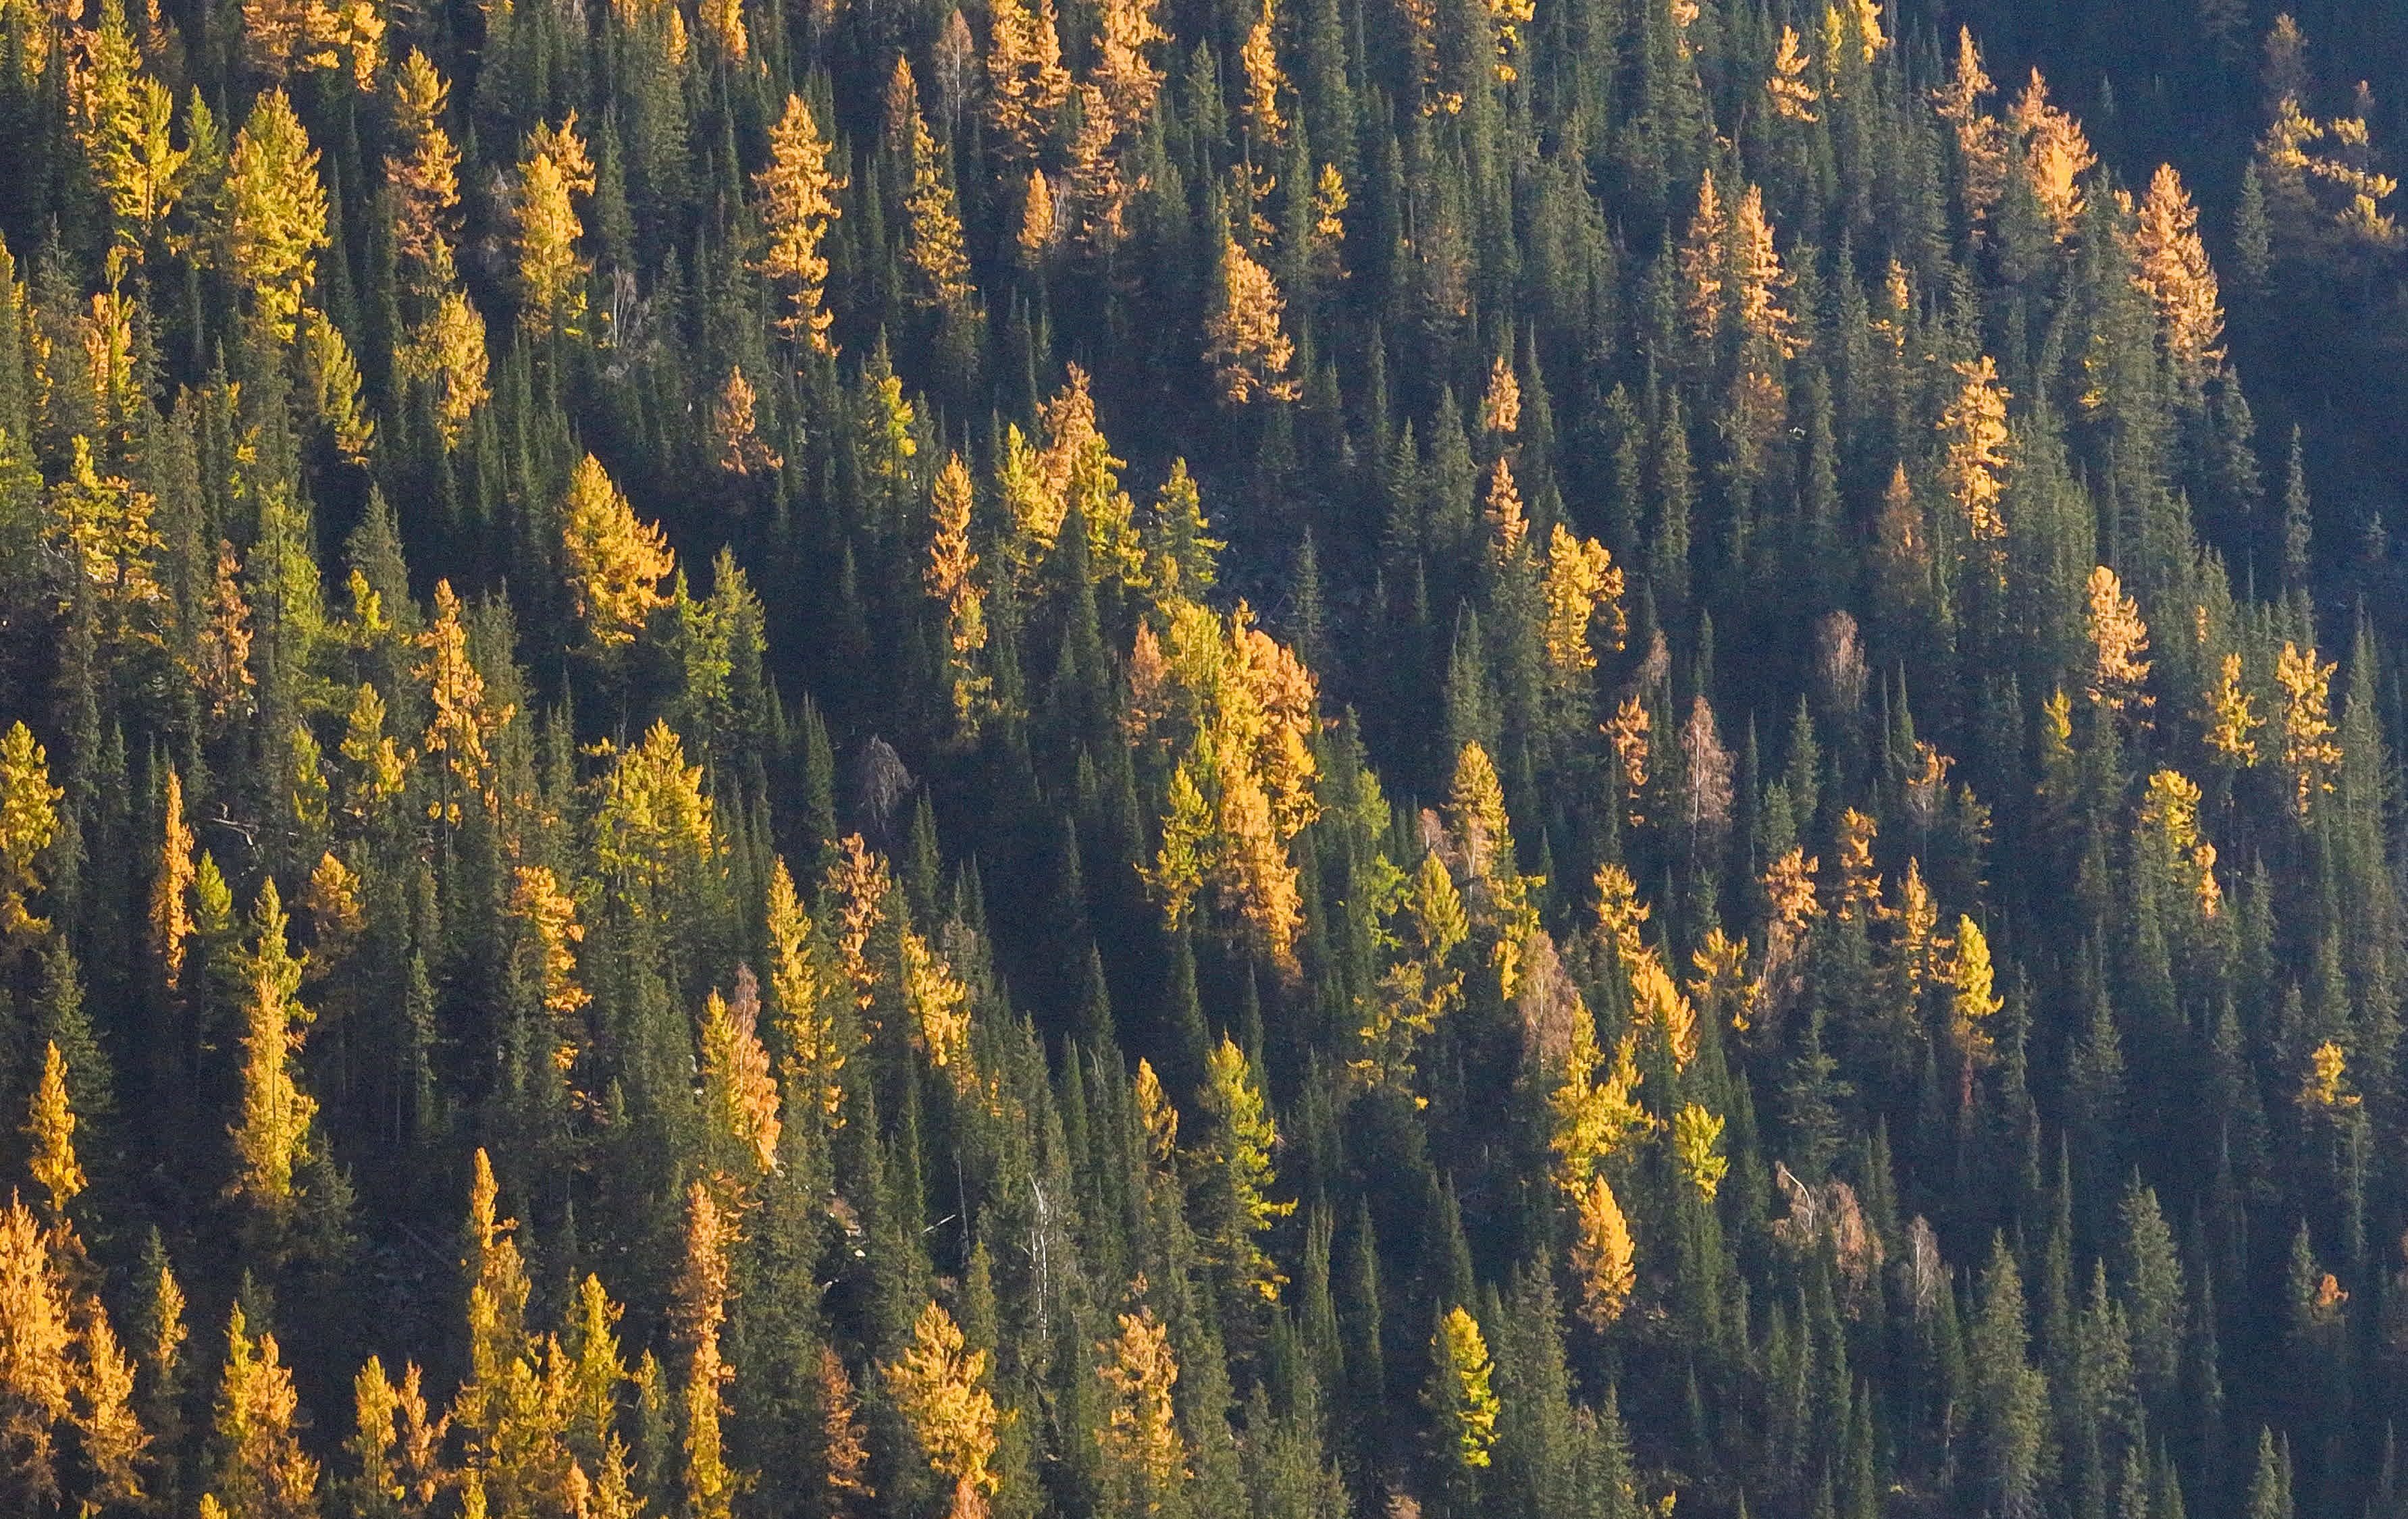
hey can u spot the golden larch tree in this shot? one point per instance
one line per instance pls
(549, 934)
(424, 177)
(1235, 1162)
(1975, 427)
(278, 212)
(2309, 749)
(797, 204)
(272, 1139)
(739, 1096)
(1583, 584)
(221, 658)
(1124, 73)
(1697, 1145)
(655, 818)
(1459, 1396)
(552, 170)
(171, 914)
(1602, 1255)
(2231, 717)
(950, 582)
(933, 246)
(1793, 98)
(122, 117)
(49, 1133)
(464, 723)
(736, 433)
(701, 1310)
(844, 1453)
(2056, 155)
(2174, 271)
(2118, 639)
(1025, 81)
(103, 524)
(938, 1385)
(1242, 340)
(263, 1473)
(812, 1063)
(37, 1374)
(722, 23)
(29, 820)
(1701, 264)
(615, 561)
(1500, 404)
(1981, 137)
(1145, 1460)
(1258, 61)
(115, 1445)
(447, 350)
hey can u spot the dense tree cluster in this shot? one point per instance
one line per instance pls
(1452, 756)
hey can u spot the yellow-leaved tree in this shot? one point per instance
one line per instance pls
(1026, 79)
(1234, 711)
(1602, 1255)
(1242, 340)
(797, 206)
(37, 1374)
(1976, 426)
(2310, 752)
(263, 1473)
(278, 212)
(1234, 1166)
(171, 914)
(1463, 1406)
(552, 170)
(29, 820)
(812, 1063)
(951, 578)
(938, 1386)
(616, 562)
(739, 1096)
(424, 177)
(701, 1310)
(272, 1139)
(2179, 281)
(933, 249)
(654, 826)
(1145, 1460)
(49, 1130)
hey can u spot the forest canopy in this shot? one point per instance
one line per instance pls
(1136, 757)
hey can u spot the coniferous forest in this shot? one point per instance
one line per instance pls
(1231, 759)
